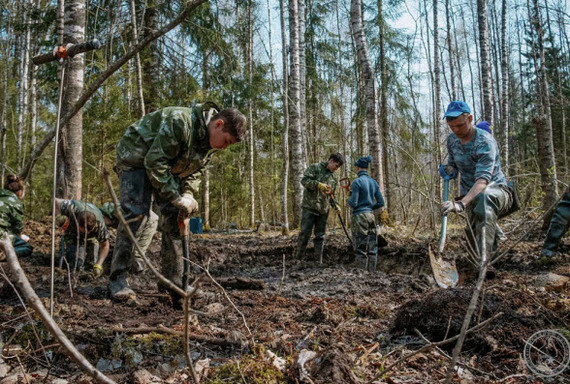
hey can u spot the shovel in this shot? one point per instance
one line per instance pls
(444, 271)
(333, 206)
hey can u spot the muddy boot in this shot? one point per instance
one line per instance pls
(120, 290)
(372, 253)
(319, 247)
(138, 265)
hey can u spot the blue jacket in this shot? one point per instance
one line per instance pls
(364, 191)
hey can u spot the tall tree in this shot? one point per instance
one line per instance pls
(297, 158)
(486, 75)
(285, 145)
(505, 87)
(384, 102)
(71, 144)
(368, 77)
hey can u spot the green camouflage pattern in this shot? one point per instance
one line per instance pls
(314, 200)
(71, 208)
(172, 144)
(559, 225)
(11, 212)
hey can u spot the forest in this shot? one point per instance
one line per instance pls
(313, 78)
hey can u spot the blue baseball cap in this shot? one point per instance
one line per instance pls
(456, 108)
(484, 125)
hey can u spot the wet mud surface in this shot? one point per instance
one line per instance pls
(356, 323)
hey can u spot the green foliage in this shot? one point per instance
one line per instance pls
(255, 370)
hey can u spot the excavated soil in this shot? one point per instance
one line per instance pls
(356, 323)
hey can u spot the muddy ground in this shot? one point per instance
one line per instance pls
(358, 324)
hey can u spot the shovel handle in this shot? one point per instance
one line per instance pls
(443, 235)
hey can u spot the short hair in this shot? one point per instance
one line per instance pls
(337, 158)
(451, 118)
(86, 220)
(14, 183)
(234, 122)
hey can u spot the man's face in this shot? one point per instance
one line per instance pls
(82, 230)
(461, 126)
(332, 166)
(219, 138)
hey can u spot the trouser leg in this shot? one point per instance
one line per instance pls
(307, 224)
(320, 230)
(488, 205)
(136, 199)
(559, 224)
(372, 252)
(21, 247)
(363, 226)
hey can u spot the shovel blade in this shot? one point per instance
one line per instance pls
(444, 271)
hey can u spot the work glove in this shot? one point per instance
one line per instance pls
(450, 170)
(25, 237)
(385, 218)
(97, 271)
(324, 188)
(186, 202)
(452, 206)
(337, 208)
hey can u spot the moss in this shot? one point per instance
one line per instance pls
(255, 370)
(27, 336)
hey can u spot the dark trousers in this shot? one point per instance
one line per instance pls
(137, 195)
(312, 221)
(559, 224)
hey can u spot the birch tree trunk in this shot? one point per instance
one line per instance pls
(23, 73)
(250, 118)
(297, 161)
(71, 143)
(450, 49)
(437, 88)
(303, 77)
(505, 87)
(486, 80)
(285, 101)
(206, 199)
(367, 75)
(543, 122)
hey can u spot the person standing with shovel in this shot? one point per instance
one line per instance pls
(365, 197)
(319, 182)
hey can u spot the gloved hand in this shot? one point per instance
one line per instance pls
(449, 170)
(186, 202)
(452, 206)
(324, 188)
(385, 218)
(337, 208)
(97, 271)
(25, 237)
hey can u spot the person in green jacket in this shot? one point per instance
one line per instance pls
(11, 214)
(320, 183)
(559, 225)
(86, 236)
(144, 235)
(161, 157)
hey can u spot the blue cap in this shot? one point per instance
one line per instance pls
(456, 108)
(484, 125)
(363, 162)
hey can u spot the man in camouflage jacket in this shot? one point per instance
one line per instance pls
(161, 157)
(84, 228)
(320, 183)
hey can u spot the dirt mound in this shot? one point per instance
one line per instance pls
(334, 366)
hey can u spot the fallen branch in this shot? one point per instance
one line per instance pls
(32, 298)
(434, 345)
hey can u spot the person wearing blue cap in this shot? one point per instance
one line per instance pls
(365, 197)
(485, 195)
(320, 183)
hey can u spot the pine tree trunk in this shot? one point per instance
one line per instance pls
(437, 89)
(486, 76)
(72, 133)
(251, 135)
(297, 161)
(151, 75)
(367, 75)
(285, 145)
(450, 49)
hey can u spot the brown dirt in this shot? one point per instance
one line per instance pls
(356, 322)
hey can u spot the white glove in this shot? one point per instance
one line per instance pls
(186, 202)
(24, 237)
(452, 206)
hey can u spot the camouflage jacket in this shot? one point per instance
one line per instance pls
(173, 145)
(11, 212)
(313, 199)
(71, 208)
